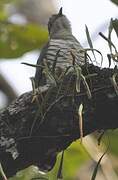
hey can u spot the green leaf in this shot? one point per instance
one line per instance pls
(89, 49)
(114, 83)
(89, 40)
(108, 40)
(59, 174)
(2, 173)
(48, 74)
(109, 59)
(78, 78)
(15, 40)
(115, 1)
(86, 86)
(109, 34)
(115, 26)
(97, 166)
(88, 37)
(80, 110)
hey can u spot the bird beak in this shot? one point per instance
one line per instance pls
(60, 12)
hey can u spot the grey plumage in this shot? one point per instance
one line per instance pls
(60, 40)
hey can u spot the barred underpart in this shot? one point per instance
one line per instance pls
(67, 48)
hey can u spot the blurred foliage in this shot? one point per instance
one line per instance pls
(15, 40)
(3, 11)
(74, 157)
(29, 174)
(115, 1)
(7, 1)
(112, 135)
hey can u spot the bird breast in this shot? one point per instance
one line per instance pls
(63, 50)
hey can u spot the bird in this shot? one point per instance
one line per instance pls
(60, 46)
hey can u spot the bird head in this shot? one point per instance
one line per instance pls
(58, 22)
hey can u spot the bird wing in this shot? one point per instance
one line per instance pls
(39, 79)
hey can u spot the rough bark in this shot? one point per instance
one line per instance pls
(28, 137)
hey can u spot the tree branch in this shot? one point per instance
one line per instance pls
(28, 137)
(7, 89)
